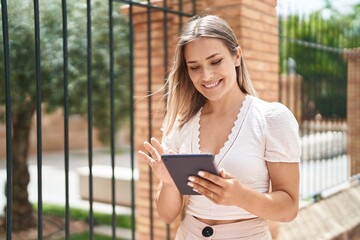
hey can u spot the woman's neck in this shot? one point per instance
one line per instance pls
(224, 106)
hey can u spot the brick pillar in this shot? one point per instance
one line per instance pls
(353, 109)
(291, 93)
(255, 24)
(141, 78)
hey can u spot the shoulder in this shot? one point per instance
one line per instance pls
(281, 130)
(268, 108)
(180, 127)
(272, 111)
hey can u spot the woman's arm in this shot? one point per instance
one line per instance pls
(169, 202)
(168, 198)
(281, 204)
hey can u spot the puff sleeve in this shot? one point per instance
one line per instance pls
(282, 135)
(171, 140)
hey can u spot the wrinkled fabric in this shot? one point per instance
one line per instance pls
(254, 229)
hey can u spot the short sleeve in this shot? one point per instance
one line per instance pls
(282, 135)
(171, 140)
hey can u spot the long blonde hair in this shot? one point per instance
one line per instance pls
(183, 100)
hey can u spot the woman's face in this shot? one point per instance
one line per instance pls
(211, 68)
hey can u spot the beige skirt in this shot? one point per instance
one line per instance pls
(193, 229)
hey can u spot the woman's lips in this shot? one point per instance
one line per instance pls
(212, 85)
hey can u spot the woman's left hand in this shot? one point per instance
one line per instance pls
(223, 189)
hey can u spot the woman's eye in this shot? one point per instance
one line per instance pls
(217, 61)
(193, 67)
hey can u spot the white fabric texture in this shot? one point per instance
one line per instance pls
(263, 132)
(254, 229)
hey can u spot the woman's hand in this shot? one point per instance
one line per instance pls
(154, 160)
(168, 198)
(223, 189)
(280, 204)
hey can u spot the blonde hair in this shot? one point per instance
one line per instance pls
(183, 100)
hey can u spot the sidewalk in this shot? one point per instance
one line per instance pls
(336, 217)
(53, 181)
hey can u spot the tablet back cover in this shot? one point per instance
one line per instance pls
(182, 166)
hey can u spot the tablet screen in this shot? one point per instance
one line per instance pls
(181, 166)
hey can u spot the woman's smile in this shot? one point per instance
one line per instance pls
(212, 68)
(212, 85)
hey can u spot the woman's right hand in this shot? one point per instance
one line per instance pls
(154, 160)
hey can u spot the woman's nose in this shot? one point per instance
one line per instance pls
(207, 75)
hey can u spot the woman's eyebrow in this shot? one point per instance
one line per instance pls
(211, 56)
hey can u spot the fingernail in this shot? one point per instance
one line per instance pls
(191, 179)
(201, 173)
(190, 184)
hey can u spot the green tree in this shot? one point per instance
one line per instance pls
(351, 22)
(316, 42)
(23, 76)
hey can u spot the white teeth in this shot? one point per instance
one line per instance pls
(212, 85)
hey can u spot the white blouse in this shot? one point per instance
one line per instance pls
(262, 132)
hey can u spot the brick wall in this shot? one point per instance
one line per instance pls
(256, 26)
(353, 109)
(290, 94)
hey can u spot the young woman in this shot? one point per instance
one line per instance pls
(212, 108)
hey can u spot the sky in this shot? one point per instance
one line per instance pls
(306, 6)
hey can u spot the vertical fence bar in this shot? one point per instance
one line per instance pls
(150, 113)
(317, 87)
(112, 119)
(89, 105)
(132, 118)
(304, 163)
(306, 102)
(305, 88)
(66, 117)
(38, 116)
(310, 97)
(280, 37)
(166, 54)
(287, 36)
(9, 166)
(193, 7)
(180, 16)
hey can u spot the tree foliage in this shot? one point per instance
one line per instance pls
(22, 58)
(316, 42)
(23, 76)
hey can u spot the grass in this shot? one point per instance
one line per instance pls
(123, 221)
(86, 236)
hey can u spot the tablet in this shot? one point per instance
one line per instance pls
(181, 166)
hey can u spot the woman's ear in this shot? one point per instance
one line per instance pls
(238, 56)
